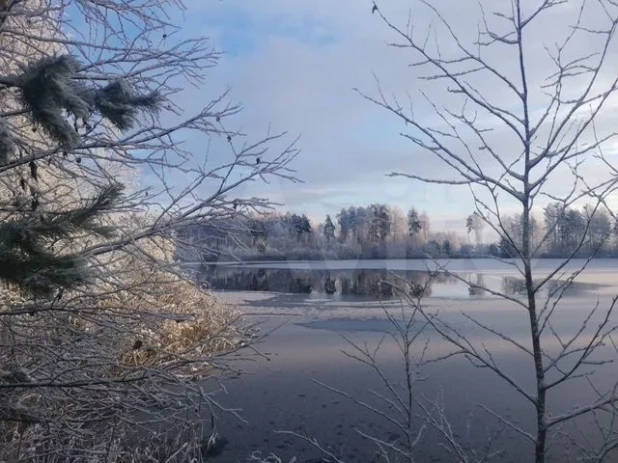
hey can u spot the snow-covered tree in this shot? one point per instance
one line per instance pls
(475, 223)
(329, 229)
(414, 222)
(99, 325)
(515, 111)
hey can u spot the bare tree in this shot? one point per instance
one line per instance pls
(409, 425)
(517, 116)
(88, 102)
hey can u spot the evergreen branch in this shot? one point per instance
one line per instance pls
(25, 256)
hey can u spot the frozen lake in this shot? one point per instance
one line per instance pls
(281, 393)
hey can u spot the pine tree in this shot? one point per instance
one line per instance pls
(329, 229)
(72, 131)
(414, 222)
(55, 100)
(26, 256)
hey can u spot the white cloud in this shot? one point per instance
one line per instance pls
(299, 74)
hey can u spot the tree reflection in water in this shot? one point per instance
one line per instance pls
(477, 285)
(373, 283)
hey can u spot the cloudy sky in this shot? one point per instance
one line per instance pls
(294, 64)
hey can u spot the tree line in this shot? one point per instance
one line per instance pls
(384, 231)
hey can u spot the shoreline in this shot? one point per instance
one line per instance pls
(284, 259)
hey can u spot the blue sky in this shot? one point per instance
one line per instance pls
(348, 145)
(242, 33)
(294, 63)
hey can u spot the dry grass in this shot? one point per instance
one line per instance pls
(102, 372)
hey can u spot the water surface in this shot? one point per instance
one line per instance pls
(378, 279)
(314, 325)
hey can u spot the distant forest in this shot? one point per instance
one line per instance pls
(379, 231)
